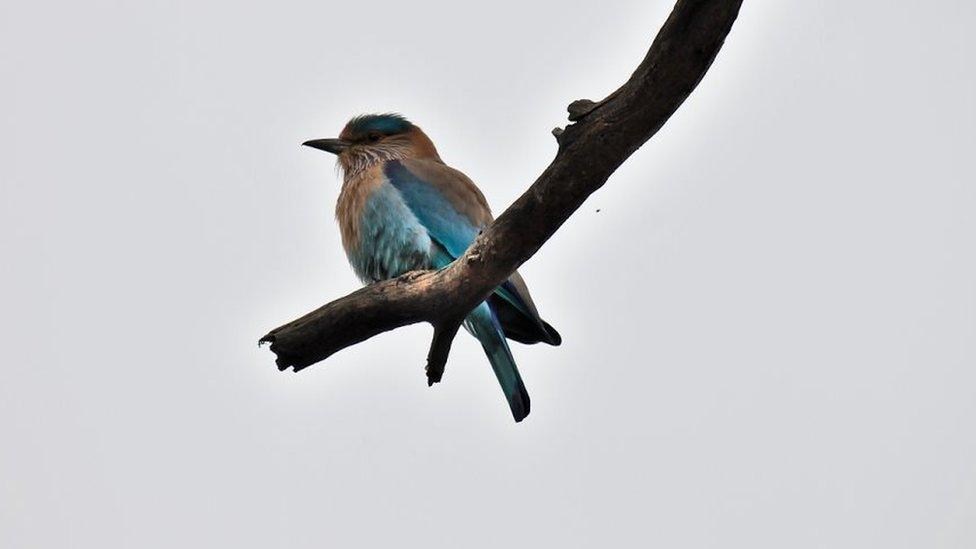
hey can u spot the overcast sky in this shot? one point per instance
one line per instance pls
(768, 313)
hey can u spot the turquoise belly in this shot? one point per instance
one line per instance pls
(392, 240)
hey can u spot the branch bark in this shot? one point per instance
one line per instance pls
(603, 134)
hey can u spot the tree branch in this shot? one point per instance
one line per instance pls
(603, 135)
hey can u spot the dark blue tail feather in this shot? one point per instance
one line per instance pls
(483, 323)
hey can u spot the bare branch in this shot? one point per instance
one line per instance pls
(603, 135)
(440, 347)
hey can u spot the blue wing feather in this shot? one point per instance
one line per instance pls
(454, 232)
(452, 229)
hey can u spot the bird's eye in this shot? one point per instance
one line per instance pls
(373, 137)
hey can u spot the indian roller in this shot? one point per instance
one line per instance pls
(401, 208)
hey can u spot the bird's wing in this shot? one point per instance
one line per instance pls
(454, 211)
(444, 200)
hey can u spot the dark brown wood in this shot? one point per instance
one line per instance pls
(604, 134)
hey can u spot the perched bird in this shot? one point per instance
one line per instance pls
(402, 208)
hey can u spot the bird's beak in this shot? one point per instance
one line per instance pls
(334, 146)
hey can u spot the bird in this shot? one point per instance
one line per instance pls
(401, 208)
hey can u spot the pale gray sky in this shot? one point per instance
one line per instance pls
(770, 324)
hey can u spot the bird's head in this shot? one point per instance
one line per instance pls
(373, 138)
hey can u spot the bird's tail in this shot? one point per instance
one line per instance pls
(483, 324)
